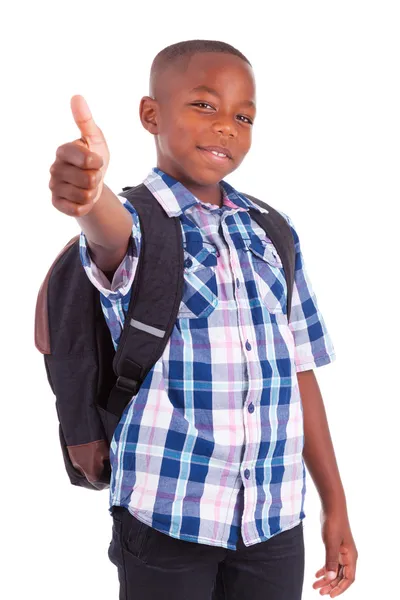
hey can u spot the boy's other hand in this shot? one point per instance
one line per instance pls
(339, 570)
(77, 174)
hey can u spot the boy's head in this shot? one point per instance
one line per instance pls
(202, 95)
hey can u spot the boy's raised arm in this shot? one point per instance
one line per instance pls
(78, 190)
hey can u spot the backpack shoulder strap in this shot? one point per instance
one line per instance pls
(155, 297)
(279, 232)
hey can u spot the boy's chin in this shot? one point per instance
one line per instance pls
(208, 177)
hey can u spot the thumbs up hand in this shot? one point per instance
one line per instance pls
(77, 174)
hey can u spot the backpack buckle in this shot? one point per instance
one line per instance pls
(127, 385)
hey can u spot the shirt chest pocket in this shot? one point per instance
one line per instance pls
(200, 292)
(269, 275)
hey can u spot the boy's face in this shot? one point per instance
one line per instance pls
(207, 101)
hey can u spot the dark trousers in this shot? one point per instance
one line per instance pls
(152, 565)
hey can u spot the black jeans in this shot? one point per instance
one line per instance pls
(152, 565)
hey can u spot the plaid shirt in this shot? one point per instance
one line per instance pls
(211, 446)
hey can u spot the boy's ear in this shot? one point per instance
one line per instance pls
(148, 112)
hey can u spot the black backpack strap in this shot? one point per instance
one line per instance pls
(155, 297)
(278, 230)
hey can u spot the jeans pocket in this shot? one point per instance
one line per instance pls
(129, 536)
(115, 548)
(138, 534)
(289, 538)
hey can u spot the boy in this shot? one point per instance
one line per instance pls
(208, 479)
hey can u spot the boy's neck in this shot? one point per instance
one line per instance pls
(211, 194)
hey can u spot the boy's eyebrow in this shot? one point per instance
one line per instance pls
(205, 88)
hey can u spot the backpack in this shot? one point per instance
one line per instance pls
(91, 381)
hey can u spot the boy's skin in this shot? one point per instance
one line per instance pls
(182, 130)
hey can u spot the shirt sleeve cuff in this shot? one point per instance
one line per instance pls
(123, 276)
(315, 362)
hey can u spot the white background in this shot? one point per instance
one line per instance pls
(326, 151)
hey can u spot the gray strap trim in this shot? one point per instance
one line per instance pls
(147, 328)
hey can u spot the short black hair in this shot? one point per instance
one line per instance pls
(191, 47)
(187, 49)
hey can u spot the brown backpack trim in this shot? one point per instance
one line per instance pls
(89, 459)
(42, 332)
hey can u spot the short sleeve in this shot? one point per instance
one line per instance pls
(313, 345)
(125, 273)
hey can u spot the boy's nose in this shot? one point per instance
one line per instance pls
(225, 127)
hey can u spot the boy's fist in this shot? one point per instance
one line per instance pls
(77, 174)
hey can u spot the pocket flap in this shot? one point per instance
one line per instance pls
(198, 256)
(266, 251)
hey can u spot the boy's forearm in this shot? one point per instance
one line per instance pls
(318, 452)
(107, 228)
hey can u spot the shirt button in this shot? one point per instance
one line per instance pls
(251, 407)
(188, 263)
(237, 283)
(248, 345)
(247, 474)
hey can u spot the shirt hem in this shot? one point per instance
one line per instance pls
(264, 538)
(208, 541)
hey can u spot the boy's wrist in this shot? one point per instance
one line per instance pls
(334, 504)
(107, 228)
(105, 198)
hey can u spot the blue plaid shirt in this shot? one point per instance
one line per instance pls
(212, 443)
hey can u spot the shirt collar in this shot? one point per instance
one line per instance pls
(176, 199)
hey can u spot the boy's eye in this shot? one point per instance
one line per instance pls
(202, 104)
(207, 106)
(245, 119)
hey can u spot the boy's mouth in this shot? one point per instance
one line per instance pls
(216, 153)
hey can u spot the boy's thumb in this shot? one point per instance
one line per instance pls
(91, 133)
(332, 561)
